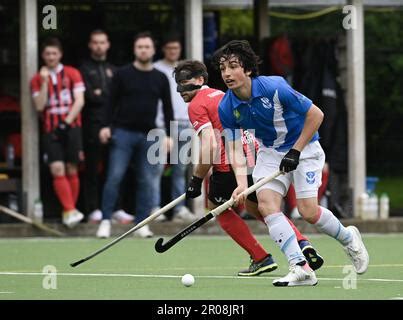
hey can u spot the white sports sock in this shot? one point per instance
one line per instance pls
(331, 226)
(284, 236)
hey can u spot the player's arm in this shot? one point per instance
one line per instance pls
(200, 119)
(111, 101)
(168, 112)
(40, 97)
(64, 126)
(300, 104)
(234, 148)
(78, 95)
(208, 152)
(313, 120)
(167, 103)
(93, 93)
(76, 108)
(238, 164)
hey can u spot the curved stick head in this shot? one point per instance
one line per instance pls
(159, 247)
(75, 264)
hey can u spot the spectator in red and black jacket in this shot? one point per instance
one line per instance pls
(58, 94)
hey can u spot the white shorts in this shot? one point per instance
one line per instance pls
(307, 178)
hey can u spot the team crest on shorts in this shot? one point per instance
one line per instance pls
(310, 177)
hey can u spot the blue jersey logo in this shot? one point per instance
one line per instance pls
(310, 177)
(266, 103)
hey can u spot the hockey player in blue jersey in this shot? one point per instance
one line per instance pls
(285, 122)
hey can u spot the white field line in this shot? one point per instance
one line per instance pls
(195, 237)
(194, 269)
(232, 268)
(127, 275)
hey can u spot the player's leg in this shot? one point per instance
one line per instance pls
(270, 197)
(155, 170)
(181, 151)
(325, 181)
(93, 155)
(291, 201)
(72, 218)
(314, 259)
(120, 153)
(56, 154)
(147, 182)
(307, 179)
(74, 154)
(252, 207)
(61, 185)
(72, 176)
(221, 187)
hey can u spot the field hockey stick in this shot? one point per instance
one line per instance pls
(136, 227)
(160, 247)
(25, 219)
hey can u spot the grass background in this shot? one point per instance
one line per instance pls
(133, 270)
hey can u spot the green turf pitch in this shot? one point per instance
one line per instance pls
(133, 270)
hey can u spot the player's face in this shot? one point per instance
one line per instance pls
(51, 56)
(99, 45)
(144, 50)
(188, 96)
(172, 51)
(232, 73)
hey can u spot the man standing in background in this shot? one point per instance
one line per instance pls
(97, 73)
(58, 94)
(172, 49)
(131, 113)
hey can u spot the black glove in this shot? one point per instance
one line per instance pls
(290, 161)
(61, 131)
(194, 188)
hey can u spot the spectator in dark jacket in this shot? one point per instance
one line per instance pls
(97, 73)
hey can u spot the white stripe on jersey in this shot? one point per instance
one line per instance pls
(279, 122)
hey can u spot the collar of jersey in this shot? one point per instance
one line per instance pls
(57, 69)
(236, 102)
(202, 88)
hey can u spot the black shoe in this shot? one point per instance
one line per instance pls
(314, 259)
(256, 268)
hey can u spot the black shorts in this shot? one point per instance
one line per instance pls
(68, 151)
(223, 184)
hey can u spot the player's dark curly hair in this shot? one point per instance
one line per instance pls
(243, 51)
(194, 66)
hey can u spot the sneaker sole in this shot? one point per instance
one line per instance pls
(314, 259)
(116, 221)
(72, 225)
(103, 237)
(264, 269)
(295, 284)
